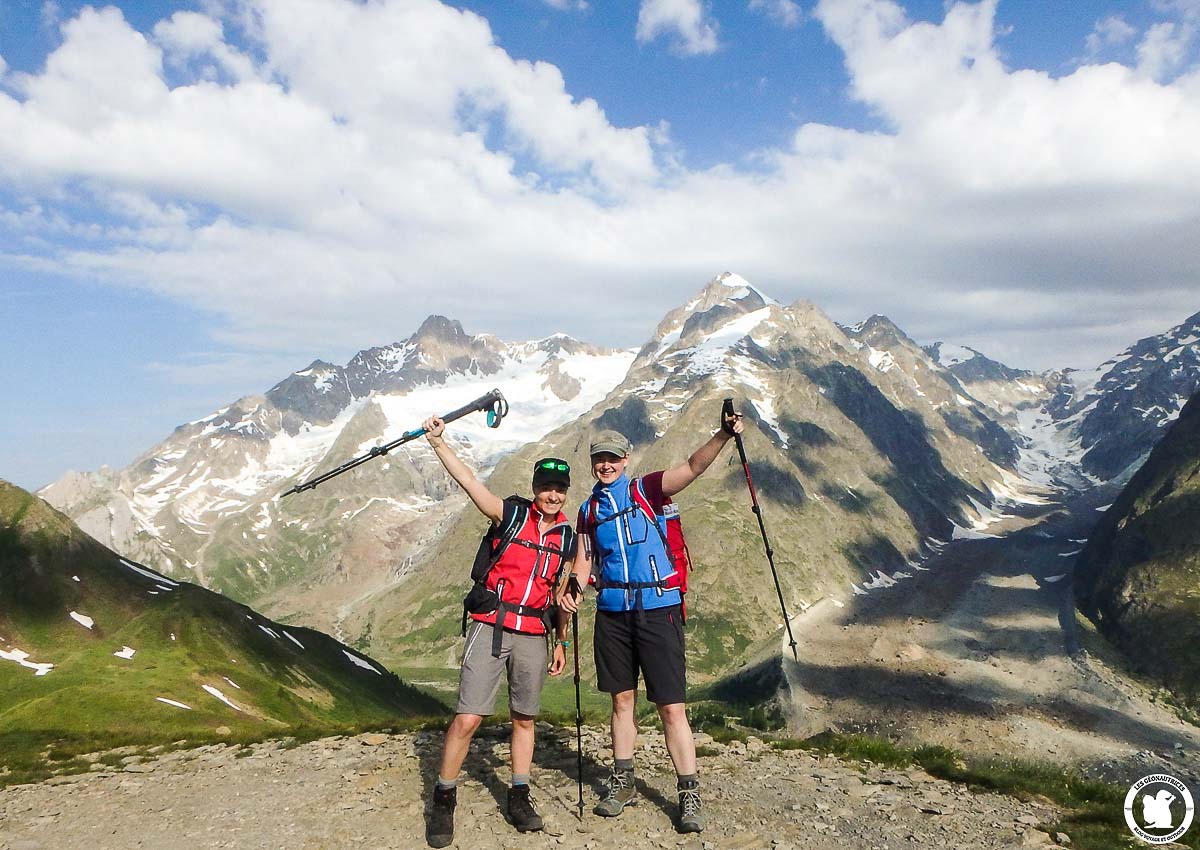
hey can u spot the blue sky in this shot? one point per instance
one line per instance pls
(198, 198)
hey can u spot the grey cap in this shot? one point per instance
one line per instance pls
(612, 442)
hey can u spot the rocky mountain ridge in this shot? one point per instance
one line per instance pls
(1117, 412)
(865, 453)
(203, 503)
(896, 445)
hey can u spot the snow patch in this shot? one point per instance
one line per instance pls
(951, 355)
(155, 577)
(173, 702)
(22, 658)
(362, 662)
(881, 360)
(961, 533)
(125, 652)
(288, 635)
(83, 620)
(535, 411)
(214, 692)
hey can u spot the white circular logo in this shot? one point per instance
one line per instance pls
(1159, 809)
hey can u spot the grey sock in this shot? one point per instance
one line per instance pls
(520, 779)
(687, 782)
(624, 765)
(447, 784)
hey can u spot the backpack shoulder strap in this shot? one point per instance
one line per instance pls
(637, 495)
(516, 508)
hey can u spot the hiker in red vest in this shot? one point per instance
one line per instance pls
(627, 551)
(512, 618)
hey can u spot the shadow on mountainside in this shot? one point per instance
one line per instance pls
(893, 697)
(922, 485)
(979, 635)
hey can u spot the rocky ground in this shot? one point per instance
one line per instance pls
(981, 651)
(370, 792)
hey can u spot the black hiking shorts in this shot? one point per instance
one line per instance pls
(626, 643)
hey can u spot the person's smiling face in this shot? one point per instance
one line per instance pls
(607, 467)
(550, 498)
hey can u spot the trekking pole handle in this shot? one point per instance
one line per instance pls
(493, 402)
(728, 414)
(728, 417)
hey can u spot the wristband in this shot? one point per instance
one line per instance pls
(566, 644)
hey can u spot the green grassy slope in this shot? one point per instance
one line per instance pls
(185, 637)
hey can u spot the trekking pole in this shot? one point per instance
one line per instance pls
(494, 403)
(574, 590)
(727, 412)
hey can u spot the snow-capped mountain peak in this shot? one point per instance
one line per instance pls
(1119, 409)
(725, 311)
(215, 479)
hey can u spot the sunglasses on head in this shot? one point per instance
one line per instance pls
(554, 465)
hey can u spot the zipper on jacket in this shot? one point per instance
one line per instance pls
(620, 540)
(654, 572)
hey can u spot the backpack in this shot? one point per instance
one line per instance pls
(492, 546)
(673, 539)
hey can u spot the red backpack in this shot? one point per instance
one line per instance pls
(673, 540)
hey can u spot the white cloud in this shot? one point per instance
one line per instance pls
(786, 12)
(1163, 49)
(51, 14)
(695, 32)
(1112, 31)
(377, 162)
(190, 35)
(568, 5)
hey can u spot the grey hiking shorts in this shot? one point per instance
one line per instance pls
(522, 657)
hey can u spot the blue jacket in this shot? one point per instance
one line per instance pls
(628, 551)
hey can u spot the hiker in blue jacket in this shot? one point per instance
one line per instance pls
(639, 614)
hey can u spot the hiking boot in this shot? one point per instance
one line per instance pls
(521, 812)
(619, 792)
(439, 826)
(691, 819)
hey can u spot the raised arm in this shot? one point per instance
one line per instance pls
(677, 478)
(489, 504)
